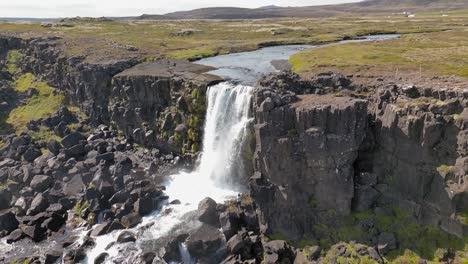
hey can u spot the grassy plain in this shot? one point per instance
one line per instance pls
(193, 39)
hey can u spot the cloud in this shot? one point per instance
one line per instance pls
(96, 8)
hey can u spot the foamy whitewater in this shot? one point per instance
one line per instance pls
(226, 127)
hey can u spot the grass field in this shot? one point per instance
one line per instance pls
(437, 53)
(192, 39)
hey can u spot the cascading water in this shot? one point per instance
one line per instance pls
(226, 127)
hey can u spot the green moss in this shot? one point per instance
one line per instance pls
(313, 203)
(13, 60)
(463, 217)
(457, 117)
(44, 134)
(445, 169)
(278, 236)
(5, 184)
(178, 137)
(292, 132)
(39, 106)
(194, 121)
(192, 135)
(80, 207)
(306, 242)
(195, 147)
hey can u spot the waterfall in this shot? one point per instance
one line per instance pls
(226, 127)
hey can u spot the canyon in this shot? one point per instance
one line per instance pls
(326, 164)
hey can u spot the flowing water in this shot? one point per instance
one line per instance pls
(226, 126)
(225, 131)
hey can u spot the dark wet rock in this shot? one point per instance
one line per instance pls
(54, 222)
(5, 199)
(52, 256)
(207, 212)
(31, 154)
(41, 183)
(131, 220)
(8, 221)
(230, 223)
(387, 242)
(101, 258)
(205, 242)
(125, 237)
(144, 206)
(100, 229)
(72, 139)
(76, 151)
(54, 146)
(35, 232)
(115, 225)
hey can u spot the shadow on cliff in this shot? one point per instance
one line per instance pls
(411, 161)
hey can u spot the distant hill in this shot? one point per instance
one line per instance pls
(367, 6)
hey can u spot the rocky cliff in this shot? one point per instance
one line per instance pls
(159, 104)
(320, 158)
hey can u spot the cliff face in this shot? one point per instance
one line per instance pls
(321, 157)
(162, 104)
(157, 104)
(304, 158)
(419, 153)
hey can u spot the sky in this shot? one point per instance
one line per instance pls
(97, 8)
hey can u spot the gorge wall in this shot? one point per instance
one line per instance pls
(319, 158)
(159, 104)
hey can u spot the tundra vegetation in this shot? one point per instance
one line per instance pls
(431, 44)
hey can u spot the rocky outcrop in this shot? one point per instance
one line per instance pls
(162, 104)
(319, 157)
(417, 148)
(304, 158)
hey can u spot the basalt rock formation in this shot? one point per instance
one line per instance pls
(322, 157)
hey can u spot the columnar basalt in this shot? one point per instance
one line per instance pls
(162, 104)
(321, 157)
(304, 158)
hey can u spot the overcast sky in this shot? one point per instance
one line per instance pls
(96, 8)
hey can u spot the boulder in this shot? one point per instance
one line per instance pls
(41, 183)
(72, 139)
(205, 242)
(52, 256)
(31, 154)
(386, 242)
(131, 220)
(8, 221)
(76, 151)
(278, 251)
(144, 206)
(5, 199)
(38, 204)
(207, 212)
(125, 237)
(54, 146)
(15, 236)
(35, 232)
(101, 258)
